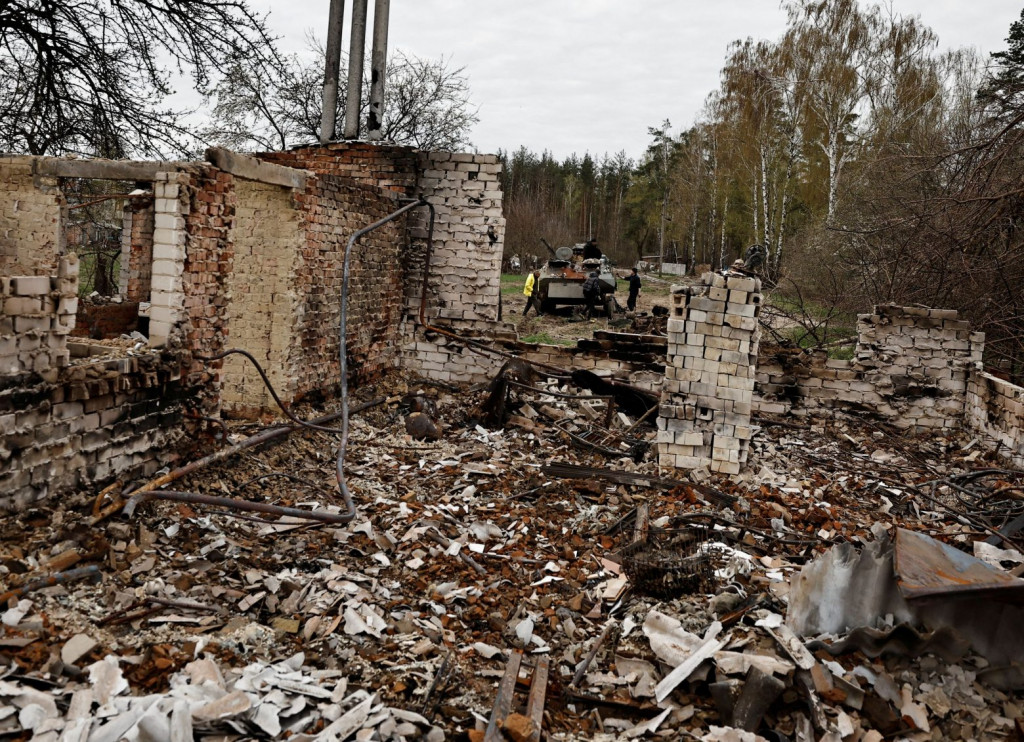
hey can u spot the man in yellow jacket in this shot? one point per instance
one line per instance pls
(528, 292)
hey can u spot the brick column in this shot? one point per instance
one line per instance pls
(713, 334)
(167, 294)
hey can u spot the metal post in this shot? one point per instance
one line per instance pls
(378, 68)
(332, 71)
(356, 53)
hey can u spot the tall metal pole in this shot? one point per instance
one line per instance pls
(332, 71)
(378, 68)
(356, 53)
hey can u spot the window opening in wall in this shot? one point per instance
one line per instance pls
(109, 226)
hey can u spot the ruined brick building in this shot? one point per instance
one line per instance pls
(245, 252)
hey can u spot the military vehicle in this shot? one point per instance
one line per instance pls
(562, 277)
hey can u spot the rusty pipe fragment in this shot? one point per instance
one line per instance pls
(61, 578)
(265, 436)
(196, 498)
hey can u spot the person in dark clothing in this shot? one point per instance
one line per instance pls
(634, 290)
(591, 251)
(591, 292)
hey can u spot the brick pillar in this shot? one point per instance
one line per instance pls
(167, 293)
(706, 397)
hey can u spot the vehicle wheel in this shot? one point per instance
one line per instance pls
(547, 306)
(609, 306)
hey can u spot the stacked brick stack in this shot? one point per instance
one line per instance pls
(708, 389)
(38, 313)
(921, 358)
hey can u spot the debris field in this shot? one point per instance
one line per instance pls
(525, 579)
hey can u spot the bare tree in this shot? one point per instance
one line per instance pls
(274, 107)
(89, 76)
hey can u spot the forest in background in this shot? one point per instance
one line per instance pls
(871, 166)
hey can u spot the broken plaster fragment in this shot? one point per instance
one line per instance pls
(106, 679)
(76, 648)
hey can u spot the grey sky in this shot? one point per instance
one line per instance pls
(593, 75)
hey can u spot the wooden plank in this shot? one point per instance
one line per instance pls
(503, 701)
(535, 701)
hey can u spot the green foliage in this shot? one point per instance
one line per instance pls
(544, 338)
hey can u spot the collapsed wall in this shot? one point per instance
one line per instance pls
(995, 407)
(911, 366)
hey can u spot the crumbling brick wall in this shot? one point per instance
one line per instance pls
(469, 231)
(995, 407)
(707, 392)
(335, 208)
(38, 313)
(63, 426)
(388, 167)
(137, 250)
(267, 241)
(911, 366)
(209, 200)
(105, 320)
(30, 219)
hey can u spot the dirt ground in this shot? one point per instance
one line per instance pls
(567, 324)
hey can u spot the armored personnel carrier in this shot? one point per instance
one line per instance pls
(561, 278)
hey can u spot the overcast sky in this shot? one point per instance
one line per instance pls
(593, 75)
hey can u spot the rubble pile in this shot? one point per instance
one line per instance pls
(484, 589)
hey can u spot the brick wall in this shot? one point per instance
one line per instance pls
(996, 408)
(63, 426)
(94, 422)
(267, 239)
(469, 232)
(335, 208)
(911, 366)
(38, 312)
(388, 167)
(30, 219)
(99, 321)
(208, 198)
(137, 250)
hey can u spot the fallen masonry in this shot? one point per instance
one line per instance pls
(687, 534)
(468, 555)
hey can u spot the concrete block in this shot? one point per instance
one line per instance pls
(30, 285)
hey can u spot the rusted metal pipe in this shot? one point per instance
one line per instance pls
(196, 498)
(265, 436)
(582, 670)
(61, 578)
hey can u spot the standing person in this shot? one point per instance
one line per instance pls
(530, 290)
(634, 290)
(591, 292)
